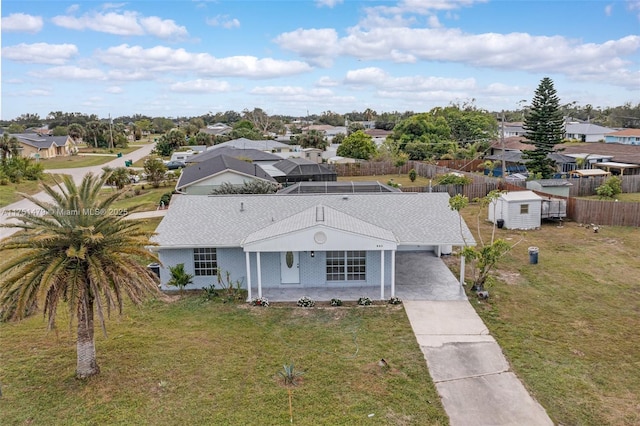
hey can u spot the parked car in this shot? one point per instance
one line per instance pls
(173, 165)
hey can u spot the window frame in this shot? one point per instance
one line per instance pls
(205, 261)
(524, 208)
(346, 265)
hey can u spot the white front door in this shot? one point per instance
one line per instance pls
(289, 267)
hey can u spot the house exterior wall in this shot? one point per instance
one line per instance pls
(627, 140)
(206, 186)
(233, 260)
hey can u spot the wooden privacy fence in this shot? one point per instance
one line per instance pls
(601, 212)
(430, 171)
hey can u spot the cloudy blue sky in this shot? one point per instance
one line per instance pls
(187, 58)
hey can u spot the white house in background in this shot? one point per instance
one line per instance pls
(518, 210)
(304, 241)
(586, 132)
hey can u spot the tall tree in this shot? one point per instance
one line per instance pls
(313, 139)
(544, 125)
(357, 145)
(78, 253)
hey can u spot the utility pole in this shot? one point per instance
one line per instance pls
(110, 132)
(504, 169)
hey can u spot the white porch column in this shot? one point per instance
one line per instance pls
(381, 274)
(462, 261)
(247, 257)
(259, 274)
(393, 273)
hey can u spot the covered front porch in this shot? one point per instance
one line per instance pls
(418, 276)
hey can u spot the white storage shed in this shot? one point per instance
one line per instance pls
(517, 210)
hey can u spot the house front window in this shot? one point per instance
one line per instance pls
(205, 261)
(346, 265)
(524, 208)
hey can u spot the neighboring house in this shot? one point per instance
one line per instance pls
(626, 137)
(298, 241)
(35, 146)
(203, 178)
(262, 145)
(378, 136)
(518, 210)
(513, 129)
(342, 187)
(312, 154)
(216, 129)
(558, 187)
(617, 152)
(586, 132)
(301, 169)
(253, 155)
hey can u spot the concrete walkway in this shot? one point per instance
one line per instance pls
(472, 376)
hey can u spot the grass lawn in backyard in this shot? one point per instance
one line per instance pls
(570, 325)
(107, 151)
(147, 199)
(402, 179)
(9, 193)
(199, 362)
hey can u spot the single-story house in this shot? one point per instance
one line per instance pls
(557, 187)
(301, 169)
(626, 136)
(586, 132)
(35, 146)
(516, 210)
(299, 241)
(205, 177)
(261, 145)
(253, 155)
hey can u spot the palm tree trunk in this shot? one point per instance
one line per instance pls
(86, 347)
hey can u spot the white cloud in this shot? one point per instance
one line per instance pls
(163, 28)
(223, 21)
(201, 86)
(318, 46)
(161, 59)
(634, 6)
(125, 23)
(326, 82)
(115, 90)
(380, 79)
(40, 53)
(39, 92)
(70, 73)
(328, 3)
(608, 9)
(20, 22)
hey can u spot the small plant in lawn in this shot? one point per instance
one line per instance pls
(290, 374)
(260, 301)
(395, 301)
(413, 175)
(231, 290)
(210, 292)
(179, 277)
(364, 301)
(336, 302)
(306, 302)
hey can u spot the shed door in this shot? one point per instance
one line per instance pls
(289, 267)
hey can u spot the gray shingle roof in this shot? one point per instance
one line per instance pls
(218, 164)
(302, 167)
(41, 142)
(263, 145)
(251, 154)
(226, 220)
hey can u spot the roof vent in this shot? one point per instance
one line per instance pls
(345, 197)
(241, 206)
(319, 213)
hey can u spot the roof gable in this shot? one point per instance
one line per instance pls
(216, 165)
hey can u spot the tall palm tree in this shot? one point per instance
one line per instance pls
(80, 253)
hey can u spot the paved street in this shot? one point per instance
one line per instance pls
(77, 174)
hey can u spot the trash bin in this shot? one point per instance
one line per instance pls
(533, 255)
(500, 223)
(128, 163)
(119, 155)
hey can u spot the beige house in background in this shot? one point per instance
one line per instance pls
(36, 146)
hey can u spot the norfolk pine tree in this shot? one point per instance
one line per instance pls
(544, 127)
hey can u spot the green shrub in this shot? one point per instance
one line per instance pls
(413, 175)
(364, 301)
(336, 302)
(610, 188)
(306, 302)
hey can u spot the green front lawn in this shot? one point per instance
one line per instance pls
(196, 362)
(79, 160)
(9, 193)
